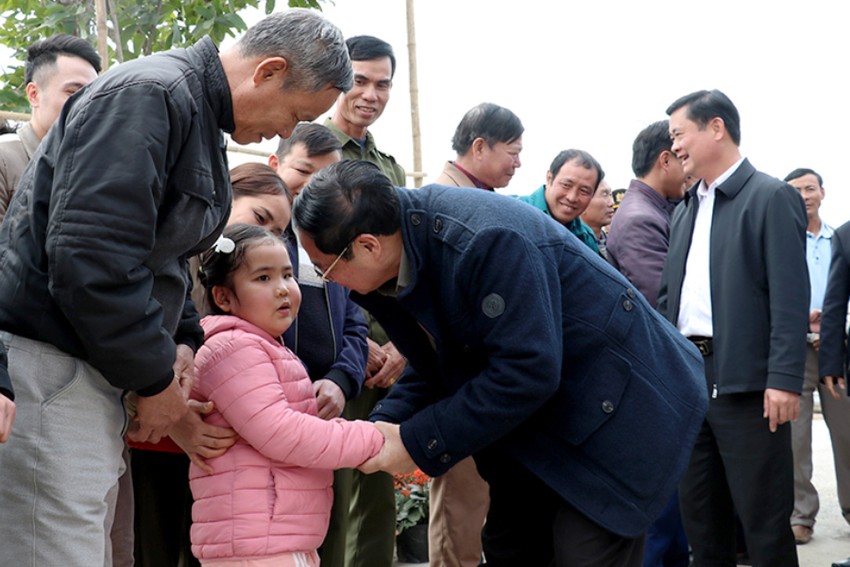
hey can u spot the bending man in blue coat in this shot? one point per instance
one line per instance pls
(579, 403)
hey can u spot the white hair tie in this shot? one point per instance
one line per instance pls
(224, 245)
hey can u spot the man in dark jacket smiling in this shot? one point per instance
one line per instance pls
(131, 180)
(526, 350)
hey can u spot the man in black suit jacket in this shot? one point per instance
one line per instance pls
(833, 356)
(735, 282)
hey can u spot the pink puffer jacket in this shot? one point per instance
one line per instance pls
(271, 492)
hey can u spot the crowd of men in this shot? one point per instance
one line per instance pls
(586, 386)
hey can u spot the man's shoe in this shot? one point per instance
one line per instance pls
(802, 534)
(845, 563)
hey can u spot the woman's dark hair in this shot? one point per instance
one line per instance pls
(255, 180)
(217, 264)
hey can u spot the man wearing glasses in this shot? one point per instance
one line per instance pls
(526, 350)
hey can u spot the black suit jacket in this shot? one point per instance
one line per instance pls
(759, 280)
(833, 354)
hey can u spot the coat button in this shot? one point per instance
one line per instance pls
(627, 305)
(438, 225)
(377, 406)
(415, 220)
(445, 458)
(432, 444)
(607, 406)
(631, 293)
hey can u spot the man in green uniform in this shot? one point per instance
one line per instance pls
(362, 529)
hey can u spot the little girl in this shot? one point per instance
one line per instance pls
(268, 502)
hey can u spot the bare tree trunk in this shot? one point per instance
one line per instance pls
(102, 45)
(414, 97)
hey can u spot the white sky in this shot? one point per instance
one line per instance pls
(592, 74)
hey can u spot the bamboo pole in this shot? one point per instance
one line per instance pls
(414, 98)
(16, 116)
(102, 32)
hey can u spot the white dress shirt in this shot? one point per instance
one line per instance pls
(695, 317)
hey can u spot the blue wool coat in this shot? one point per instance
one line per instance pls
(521, 340)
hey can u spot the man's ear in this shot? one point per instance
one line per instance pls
(273, 161)
(223, 297)
(369, 242)
(718, 127)
(478, 147)
(32, 94)
(269, 69)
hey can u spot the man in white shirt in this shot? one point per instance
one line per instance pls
(735, 284)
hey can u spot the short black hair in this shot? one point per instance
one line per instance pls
(649, 144)
(369, 48)
(343, 200)
(800, 172)
(489, 121)
(44, 52)
(582, 157)
(703, 106)
(318, 140)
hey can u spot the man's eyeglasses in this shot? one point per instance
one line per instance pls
(325, 275)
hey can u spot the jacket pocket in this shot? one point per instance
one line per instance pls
(592, 398)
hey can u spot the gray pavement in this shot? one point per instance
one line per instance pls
(831, 541)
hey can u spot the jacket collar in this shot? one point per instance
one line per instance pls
(732, 186)
(345, 139)
(654, 197)
(216, 88)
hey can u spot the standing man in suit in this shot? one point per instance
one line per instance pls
(488, 141)
(526, 349)
(833, 355)
(735, 283)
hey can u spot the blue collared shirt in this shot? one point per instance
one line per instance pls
(818, 255)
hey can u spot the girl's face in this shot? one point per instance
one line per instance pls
(264, 291)
(271, 212)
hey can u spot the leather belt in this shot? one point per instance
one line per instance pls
(704, 344)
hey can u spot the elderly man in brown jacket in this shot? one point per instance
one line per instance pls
(488, 142)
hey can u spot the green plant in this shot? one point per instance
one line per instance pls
(133, 29)
(412, 492)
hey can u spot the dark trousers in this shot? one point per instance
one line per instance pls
(738, 464)
(666, 542)
(529, 524)
(163, 503)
